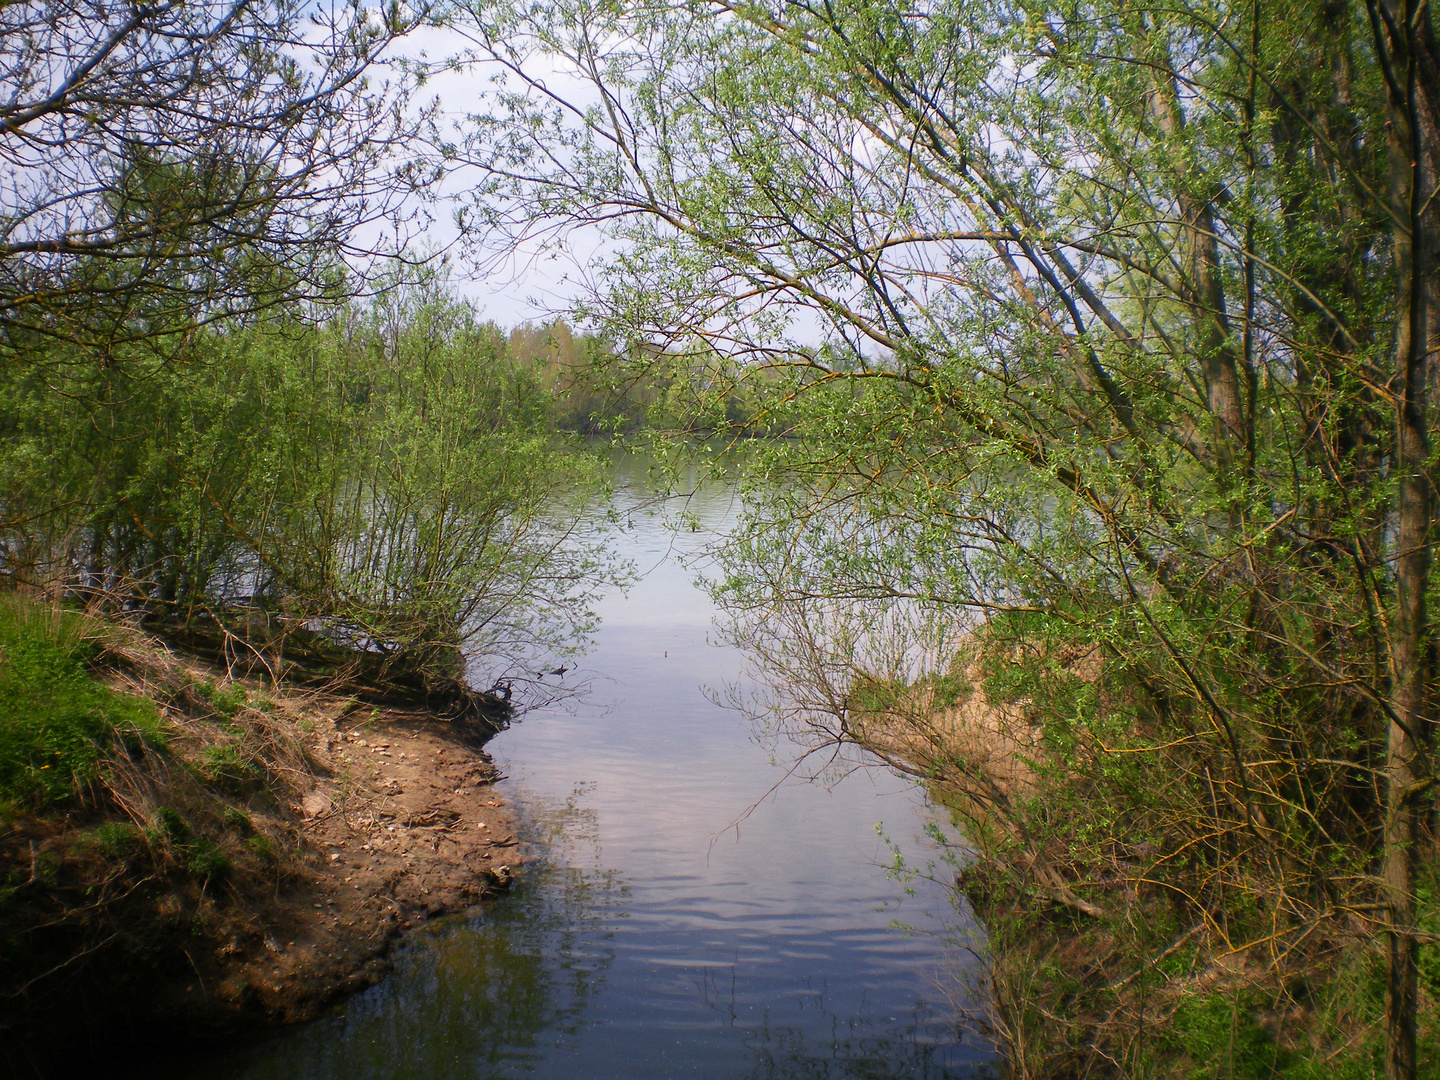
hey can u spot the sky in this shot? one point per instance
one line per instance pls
(528, 284)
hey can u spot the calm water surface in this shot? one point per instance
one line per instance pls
(679, 918)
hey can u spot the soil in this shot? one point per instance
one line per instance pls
(403, 825)
(378, 819)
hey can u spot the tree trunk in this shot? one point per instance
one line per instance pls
(1204, 286)
(1405, 41)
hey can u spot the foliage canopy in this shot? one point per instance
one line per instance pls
(385, 489)
(178, 162)
(1106, 330)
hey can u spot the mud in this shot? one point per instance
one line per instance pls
(402, 825)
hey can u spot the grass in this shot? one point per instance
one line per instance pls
(230, 770)
(57, 721)
(226, 701)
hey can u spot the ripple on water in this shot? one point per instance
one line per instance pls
(680, 918)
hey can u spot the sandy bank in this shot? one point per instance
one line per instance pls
(402, 825)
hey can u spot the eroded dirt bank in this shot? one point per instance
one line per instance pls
(402, 825)
(256, 868)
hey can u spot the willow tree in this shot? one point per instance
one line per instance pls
(381, 499)
(167, 163)
(1106, 327)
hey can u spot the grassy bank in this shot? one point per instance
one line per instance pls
(57, 722)
(164, 833)
(1112, 950)
(141, 807)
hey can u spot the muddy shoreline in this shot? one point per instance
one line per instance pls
(388, 817)
(406, 827)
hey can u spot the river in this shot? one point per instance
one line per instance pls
(681, 915)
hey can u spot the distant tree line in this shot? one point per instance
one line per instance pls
(231, 404)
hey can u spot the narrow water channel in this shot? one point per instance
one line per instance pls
(679, 918)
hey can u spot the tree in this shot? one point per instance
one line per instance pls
(171, 163)
(381, 499)
(1105, 327)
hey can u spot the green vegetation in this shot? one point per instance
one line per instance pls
(146, 803)
(1105, 338)
(263, 848)
(230, 770)
(202, 424)
(225, 422)
(226, 702)
(1102, 339)
(56, 722)
(596, 393)
(117, 839)
(382, 495)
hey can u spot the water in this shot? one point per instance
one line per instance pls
(683, 916)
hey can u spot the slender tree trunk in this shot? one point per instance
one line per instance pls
(1204, 286)
(1405, 39)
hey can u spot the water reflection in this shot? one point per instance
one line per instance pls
(650, 938)
(877, 1043)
